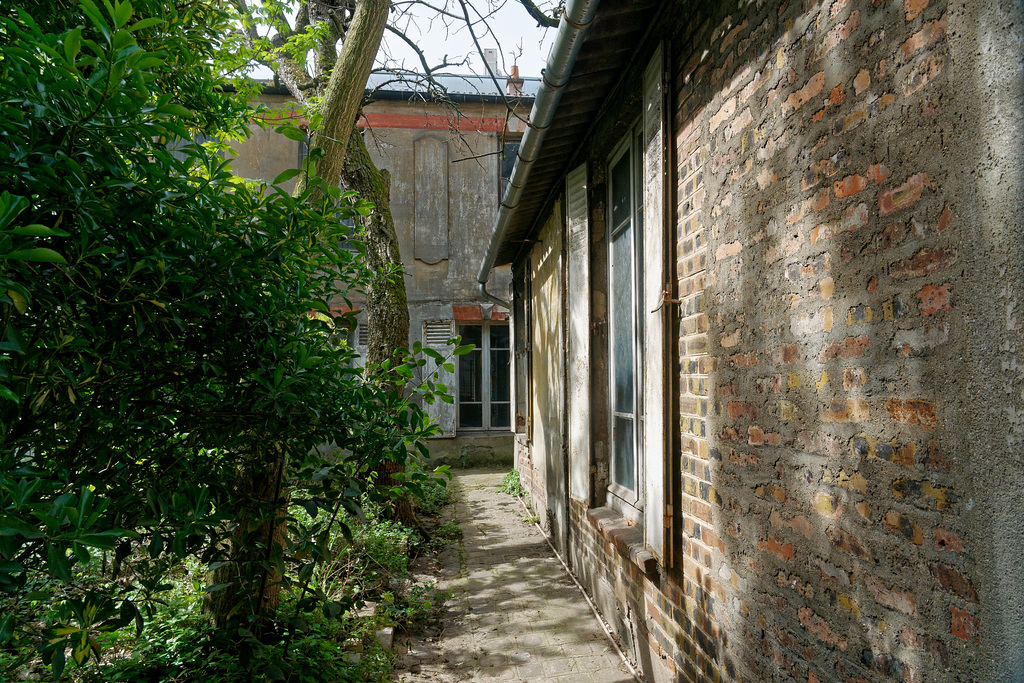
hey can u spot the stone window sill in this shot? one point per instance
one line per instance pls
(627, 538)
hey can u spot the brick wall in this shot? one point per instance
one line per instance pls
(850, 247)
(822, 519)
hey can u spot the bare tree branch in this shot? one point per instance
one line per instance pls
(415, 48)
(509, 107)
(538, 14)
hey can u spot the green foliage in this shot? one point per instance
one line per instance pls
(436, 495)
(449, 532)
(420, 603)
(511, 485)
(159, 361)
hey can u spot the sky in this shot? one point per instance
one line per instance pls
(519, 39)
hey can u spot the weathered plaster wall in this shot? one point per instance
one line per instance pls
(266, 153)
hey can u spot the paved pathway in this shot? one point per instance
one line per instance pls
(515, 614)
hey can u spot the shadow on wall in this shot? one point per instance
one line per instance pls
(840, 276)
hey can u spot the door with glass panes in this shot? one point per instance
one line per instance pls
(484, 379)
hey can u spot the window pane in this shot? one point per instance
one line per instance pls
(501, 415)
(622, 320)
(500, 384)
(622, 461)
(620, 191)
(471, 415)
(472, 334)
(470, 376)
(499, 336)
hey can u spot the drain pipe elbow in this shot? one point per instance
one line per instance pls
(490, 297)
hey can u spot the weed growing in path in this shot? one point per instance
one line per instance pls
(511, 485)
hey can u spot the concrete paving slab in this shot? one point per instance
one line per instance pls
(514, 615)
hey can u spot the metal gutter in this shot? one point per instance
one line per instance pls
(572, 29)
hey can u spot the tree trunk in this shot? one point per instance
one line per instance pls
(344, 93)
(386, 308)
(252, 588)
(387, 312)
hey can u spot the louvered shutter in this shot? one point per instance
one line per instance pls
(436, 334)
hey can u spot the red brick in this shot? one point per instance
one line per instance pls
(837, 7)
(819, 201)
(838, 34)
(904, 195)
(850, 185)
(913, 411)
(820, 628)
(851, 347)
(946, 219)
(848, 410)
(924, 262)
(913, 8)
(853, 378)
(933, 299)
(903, 525)
(893, 599)
(812, 89)
(854, 217)
(963, 625)
(826, 505)
(739, 409)
(923, 74)
(836, 96)
(947, 540)
(467, 313)
(849, 543)
(877, 173)
(755, 436)
(743, 360)
(731, 35)
(727, 110)
(861, 82)
(783, 551)
(928, 34)
(788, 354)
(952, 580)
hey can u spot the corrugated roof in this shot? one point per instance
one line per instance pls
(612, 39)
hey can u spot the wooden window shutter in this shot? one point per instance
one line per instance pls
(578, 385)
(655, 426)
(436, 334)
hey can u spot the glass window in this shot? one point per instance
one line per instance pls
(626, 328)
(484, 378)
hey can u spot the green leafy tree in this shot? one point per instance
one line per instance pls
(168, 369)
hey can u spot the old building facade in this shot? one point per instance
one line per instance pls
(766, 295)
(448, 153)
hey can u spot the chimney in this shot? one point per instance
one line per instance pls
(491, 57)
(514, 84)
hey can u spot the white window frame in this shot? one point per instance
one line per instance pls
(485, 381)
(629, 502)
